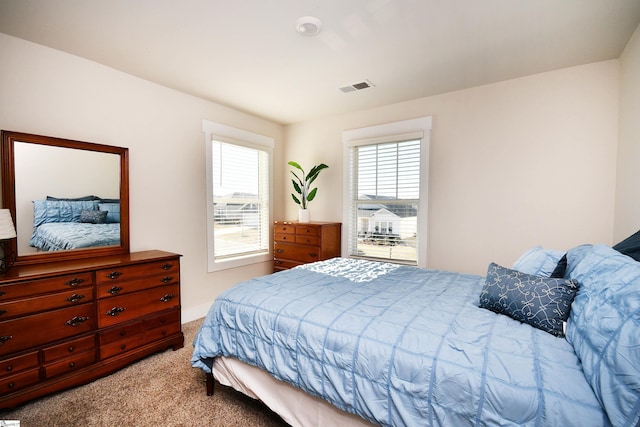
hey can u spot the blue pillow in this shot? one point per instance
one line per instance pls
(604, 328)
(541, 302)
(538, 261)
(93, 217)
(113, 211)
(60, 210)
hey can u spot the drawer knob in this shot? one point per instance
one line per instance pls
(75, 298)
(70, 349)
(72, 364)
(166, 266)
(167, 298)
(279, 251)
(313, 254)
(115, 311)
(9, 368)
(76, 321)
(167, 279)
(114, 275)
(11, 384)
(114, 290)
(5, 338)
(2, 312)
(74, 282)
(2, 293)
(278, 262)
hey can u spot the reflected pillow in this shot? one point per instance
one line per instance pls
(630, 246)
(541, 302)
(74, 199)
(538, 261)
(113, 210)
(93, 217)
(45, 211)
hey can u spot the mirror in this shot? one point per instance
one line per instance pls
(68, 199)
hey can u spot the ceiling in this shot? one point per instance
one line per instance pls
(246, 54)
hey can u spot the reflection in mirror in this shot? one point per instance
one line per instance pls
(69, 199)
(68, 205)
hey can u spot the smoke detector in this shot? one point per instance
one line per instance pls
(308, 26)
(365, 84)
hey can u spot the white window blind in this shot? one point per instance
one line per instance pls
(240, 176)
(385, 192)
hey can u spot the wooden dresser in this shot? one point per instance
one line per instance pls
(67, 323)
(296, 243)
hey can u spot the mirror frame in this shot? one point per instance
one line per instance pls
(9, 195)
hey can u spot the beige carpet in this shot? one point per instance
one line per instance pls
(160, 390)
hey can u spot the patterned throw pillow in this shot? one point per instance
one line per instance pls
(541, 302)
(93, 217)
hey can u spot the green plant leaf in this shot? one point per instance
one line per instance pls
(312, 194)
(295, 199)
(296, 187)
(295, 165)
(315, 171)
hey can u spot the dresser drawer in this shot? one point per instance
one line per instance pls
(307, 230)
(69, 364)
(19, 363)
(131, 306)
(137, 277)
(122, 344)
(295, 252)
(120, 333)
(20, 380)
(24, 332)
(282, 264)
(284, 229)
(308, 240)
(164, 325)
(46, 302)
(41, 286)
(279, 237)
(69, 348)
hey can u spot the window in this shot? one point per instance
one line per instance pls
(238, 196)
(386, 170)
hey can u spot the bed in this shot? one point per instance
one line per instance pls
(355, 342)
(61, 224)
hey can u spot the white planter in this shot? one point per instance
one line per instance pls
(303, 215)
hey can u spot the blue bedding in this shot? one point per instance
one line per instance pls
(53, 236)
(399, 345)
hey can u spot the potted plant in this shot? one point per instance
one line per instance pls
(302, 186)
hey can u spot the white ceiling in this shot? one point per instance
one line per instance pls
(245, 53)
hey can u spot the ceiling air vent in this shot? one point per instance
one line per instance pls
(357, 86)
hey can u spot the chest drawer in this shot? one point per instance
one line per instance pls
(47, 302)
(24, 332)
(41, 286)
(307, 230)
(127, 307)
(20, 380)
(69, 348)
(284, 229)
(119, 340)
(19, 363)
(136, 277)
(71, 363)
(296, 252)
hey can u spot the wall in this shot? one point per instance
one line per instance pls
(48, 92)
(512, 164)
(627, 220)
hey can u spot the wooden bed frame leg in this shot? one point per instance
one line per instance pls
(209, 384)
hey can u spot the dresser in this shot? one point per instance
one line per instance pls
(67, 323)
(296, 243)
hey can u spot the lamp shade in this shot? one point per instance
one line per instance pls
(7, 230)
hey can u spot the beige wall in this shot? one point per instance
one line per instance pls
(627, 219)
(44, 91)
(512, 165)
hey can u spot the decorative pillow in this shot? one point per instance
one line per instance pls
(113, 209)
(74, 199)
(561, 268)
(538, 261)
(541, 302)
(630, 246)
(93, 217)
(604, 328)
(60, 210)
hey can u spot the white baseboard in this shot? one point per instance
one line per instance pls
(193, 313)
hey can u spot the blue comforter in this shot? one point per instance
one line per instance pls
(53, 236)
(399, 345)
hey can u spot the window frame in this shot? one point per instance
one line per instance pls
(222, 133)
(413, 129)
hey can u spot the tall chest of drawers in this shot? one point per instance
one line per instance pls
(68, 323)
(296, 243)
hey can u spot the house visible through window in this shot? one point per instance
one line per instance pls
(387, 191)
(238, 211)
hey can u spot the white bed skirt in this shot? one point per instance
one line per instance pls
(296, 407)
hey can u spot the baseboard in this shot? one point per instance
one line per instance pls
(194, 313)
